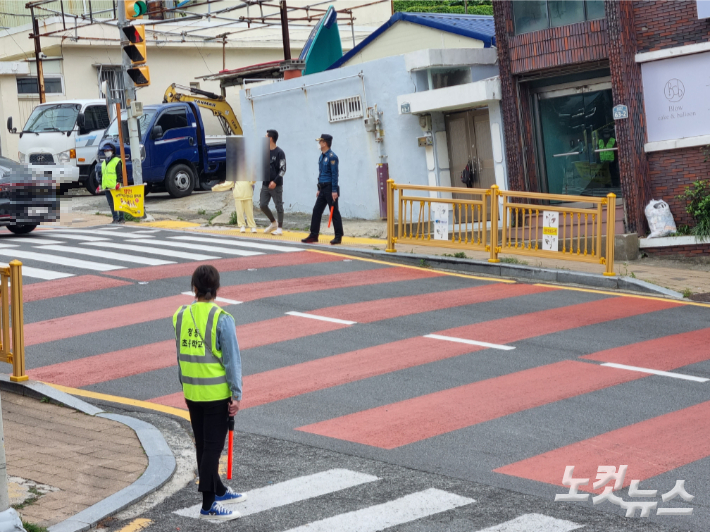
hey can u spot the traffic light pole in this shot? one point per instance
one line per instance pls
(130, 96)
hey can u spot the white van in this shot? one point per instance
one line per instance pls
(61, 139)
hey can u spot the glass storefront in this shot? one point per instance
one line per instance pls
(577, 151)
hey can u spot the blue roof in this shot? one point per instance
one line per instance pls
(479, 27)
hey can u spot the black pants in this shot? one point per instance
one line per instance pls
(325, 198)
(117, 215)
(210, 424)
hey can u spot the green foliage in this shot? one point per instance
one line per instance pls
(30, 527)
(687, 293)
(202, 212)
(697, 200)
(424, 263)
(130, 218)
(513, 260)
(214, 216)
(233, 218)
(682, 230)
(458, 255)
(475, 7)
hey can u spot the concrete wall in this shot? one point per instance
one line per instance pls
(302, 116)
(405, 37)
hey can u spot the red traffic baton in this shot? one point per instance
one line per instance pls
(331, 215)
(230, 448)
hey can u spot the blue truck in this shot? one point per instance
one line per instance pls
(179, 157)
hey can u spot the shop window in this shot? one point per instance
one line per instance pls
(535, 15)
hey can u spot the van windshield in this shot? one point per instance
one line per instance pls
(143, 122)
(57, 117)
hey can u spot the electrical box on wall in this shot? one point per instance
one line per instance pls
(426, 140)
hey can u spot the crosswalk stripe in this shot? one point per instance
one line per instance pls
(152, 251)
(469, 342)
(397, 512)
(104, 232)
(657, 372)
(294, 490)
(84, 238)
(63, 261)
(38, 273)
(220, 299)
(321, 318)
(649, 448)
(29, 240)
(534, 523)
(109, 255)
(200, 247)
(255, 245)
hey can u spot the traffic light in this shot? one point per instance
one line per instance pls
(135, 8)
(136, 52)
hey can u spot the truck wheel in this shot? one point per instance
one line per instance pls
(207, 185)
(21, 229)
(92, 181)
(180, 181)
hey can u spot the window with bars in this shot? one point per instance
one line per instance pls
(345, 109)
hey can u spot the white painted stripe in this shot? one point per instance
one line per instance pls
(294, 490)
(109, 255)
(84, 238)
(321, 318)
(63, 261)
(393, 513)
(103, 232)
(146, 231)
(534, 523)
(152, 251)
(189, 246)
(255, 245)
(38, 273)
(220, 299)
(29, 240)
(470, 342)
(657, 372)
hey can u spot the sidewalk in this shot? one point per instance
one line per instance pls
(61, 461)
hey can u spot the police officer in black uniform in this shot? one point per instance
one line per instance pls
(328, 192)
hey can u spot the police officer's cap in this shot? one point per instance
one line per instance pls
(327, 138)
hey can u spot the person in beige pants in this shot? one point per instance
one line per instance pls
(244, 203)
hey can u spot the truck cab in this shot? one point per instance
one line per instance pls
(60, 141)
(178, 155)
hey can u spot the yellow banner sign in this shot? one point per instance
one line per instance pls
(129, 199)
(549, 231)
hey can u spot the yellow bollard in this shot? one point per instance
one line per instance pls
(610, 233)
(390, 216)
(18, 319)
(494, 225)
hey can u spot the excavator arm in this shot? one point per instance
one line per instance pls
(217, 104)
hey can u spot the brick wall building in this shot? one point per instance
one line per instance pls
(563, 68)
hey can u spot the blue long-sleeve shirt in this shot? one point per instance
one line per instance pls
(231, 357)
(328, 169)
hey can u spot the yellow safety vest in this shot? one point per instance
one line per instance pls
(108, 173)
(202, 374)
(606, 155)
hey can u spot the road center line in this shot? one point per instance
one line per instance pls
(657, 372)
(321, 318)
(220, 299)
(470, 342)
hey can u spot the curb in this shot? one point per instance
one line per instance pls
(516, 271)
(161, 462)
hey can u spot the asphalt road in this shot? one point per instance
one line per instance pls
(451, 401)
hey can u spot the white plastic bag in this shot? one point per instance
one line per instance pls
(660, 219)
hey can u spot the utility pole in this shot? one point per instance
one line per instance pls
(284, 30)
(38, 54)
(130, 96)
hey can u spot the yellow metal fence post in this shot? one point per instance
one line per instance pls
(493, 240)
(610, 233)
(390, 216)
(18, 318)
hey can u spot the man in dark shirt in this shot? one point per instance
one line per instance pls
(274, 188)
(328, 191)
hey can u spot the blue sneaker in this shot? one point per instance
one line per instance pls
(231, 497)
(219, 513)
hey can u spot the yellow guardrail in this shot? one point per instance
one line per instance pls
(11, 305)
(515, 225)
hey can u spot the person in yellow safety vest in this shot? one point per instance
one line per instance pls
(607, 156)
(210, 370)
(110, 170)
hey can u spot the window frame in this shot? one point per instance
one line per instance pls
(174, 110)
(59, 77)
(549, 22)
(103, 108)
